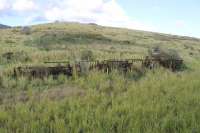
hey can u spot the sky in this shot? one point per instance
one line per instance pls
(179, 17)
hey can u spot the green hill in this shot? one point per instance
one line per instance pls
(105, 41)
(4, 26)
(157, 101)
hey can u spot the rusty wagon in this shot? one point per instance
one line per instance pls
(155, 58)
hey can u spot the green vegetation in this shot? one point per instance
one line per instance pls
(87, 55)
(151, 101)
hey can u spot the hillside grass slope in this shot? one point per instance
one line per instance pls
(157, 101)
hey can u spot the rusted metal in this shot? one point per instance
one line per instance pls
(40, 72)
(56, 62)
(173, 64)
(107, 66)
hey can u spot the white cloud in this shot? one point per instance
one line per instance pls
(103, 12)
(108, 13)
(180, 23)
(3, 5)
(24, 5)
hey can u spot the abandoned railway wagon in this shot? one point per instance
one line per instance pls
(40, 72)
(170, 60)
(166, 58)
(68, 69)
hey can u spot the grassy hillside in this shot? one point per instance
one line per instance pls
(157, 101)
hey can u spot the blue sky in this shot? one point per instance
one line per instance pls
(170, 16)
(179, 17)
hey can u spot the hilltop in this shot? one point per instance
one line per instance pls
(105, 42)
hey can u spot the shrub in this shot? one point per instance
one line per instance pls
(26, 30)
(11, 57)
(160, 53)
(87, 55)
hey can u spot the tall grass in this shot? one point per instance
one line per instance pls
(113, 104)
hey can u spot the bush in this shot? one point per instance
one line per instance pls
(26, 30)
(160, 53)
(87, 55)
(11, 57)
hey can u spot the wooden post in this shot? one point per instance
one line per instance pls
(74, 71)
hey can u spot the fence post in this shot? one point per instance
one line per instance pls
(74, 71)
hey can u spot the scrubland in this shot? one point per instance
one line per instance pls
(156, 101)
